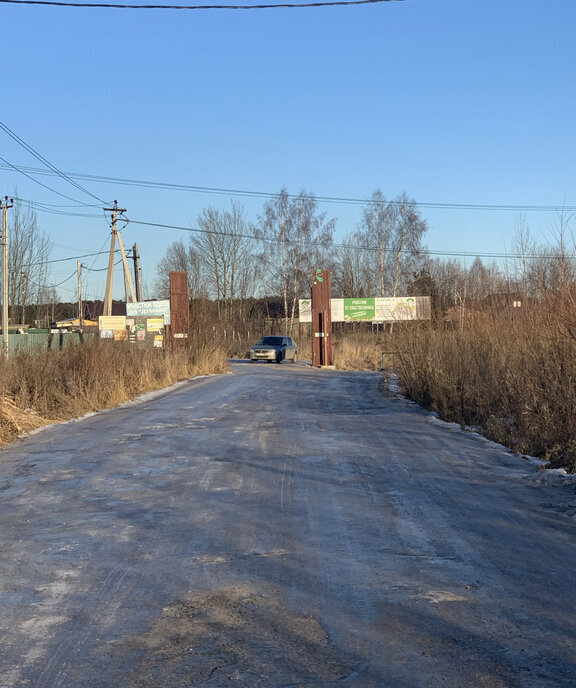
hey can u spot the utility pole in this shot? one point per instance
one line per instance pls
(4, 205)
(80, 318)
(128, 285)
(137, 272)
(110, 275)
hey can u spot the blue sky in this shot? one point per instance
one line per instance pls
(460, 102)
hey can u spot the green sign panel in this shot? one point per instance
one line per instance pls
(359, 309)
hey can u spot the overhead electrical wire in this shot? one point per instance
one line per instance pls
(423, 251)
(51, 286)
(46, 162)
(118, 262)
(64, 260)
(17, 169)
(271, 6)
(345, 200)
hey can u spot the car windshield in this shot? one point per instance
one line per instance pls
(270, 341)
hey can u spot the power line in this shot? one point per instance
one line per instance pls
(101, 5)
(17, 169)
(52, 286)
(345, 200)
(64, 260)
(423, 251)
(46, 162)
(118, 262)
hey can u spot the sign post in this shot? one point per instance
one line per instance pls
(321, 319)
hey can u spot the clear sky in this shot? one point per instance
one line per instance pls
(452, 101)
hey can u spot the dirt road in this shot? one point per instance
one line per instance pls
(281, 527)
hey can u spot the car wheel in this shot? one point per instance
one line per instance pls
(294, 358)
(252, 360)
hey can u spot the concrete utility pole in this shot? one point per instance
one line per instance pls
(128, 285)
(4, 205)
(110, 276)
(80, 318)
(137, 272)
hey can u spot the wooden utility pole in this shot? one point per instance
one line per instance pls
(4, 205)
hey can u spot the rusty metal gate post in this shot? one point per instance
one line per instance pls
(321, 319)
(179, 307)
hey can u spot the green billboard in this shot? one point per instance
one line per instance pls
(359, 309)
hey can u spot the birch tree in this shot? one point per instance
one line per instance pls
(408, 228)
(297, 238)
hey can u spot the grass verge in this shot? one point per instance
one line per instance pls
(514, 378)
(54, 386)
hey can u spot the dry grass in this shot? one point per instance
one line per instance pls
(512, 377)
(36, 390)
(360, 351)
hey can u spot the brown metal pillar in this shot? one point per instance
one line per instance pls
(179, 306)
(321, 319)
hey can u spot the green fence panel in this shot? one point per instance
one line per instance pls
(44, 340)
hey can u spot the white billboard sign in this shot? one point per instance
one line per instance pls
(149, 308)
(372, 309)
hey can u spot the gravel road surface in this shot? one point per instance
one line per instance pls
(281, 526)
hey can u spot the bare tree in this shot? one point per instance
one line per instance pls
(179, 257)
(297, 238)
(375, 236)
(389, 241)
(351, 273)
(524, 249)
(408, 228)
(28, 254)
(484, 280)
(564, 251)
(224, 246)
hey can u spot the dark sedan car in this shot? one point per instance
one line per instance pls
(274, 348)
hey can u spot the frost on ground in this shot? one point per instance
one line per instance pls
(281, 526)
(538, 473)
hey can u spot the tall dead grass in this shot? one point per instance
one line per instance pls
(358, 351)
(55, 386)
(512, 377)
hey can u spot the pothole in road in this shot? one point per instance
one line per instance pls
(239, 635)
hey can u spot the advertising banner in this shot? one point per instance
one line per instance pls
(112, 327)
(378, 309)
(150, 308)
(145, 333)
(359, 309)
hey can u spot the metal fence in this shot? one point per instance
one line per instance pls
(45, 340)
